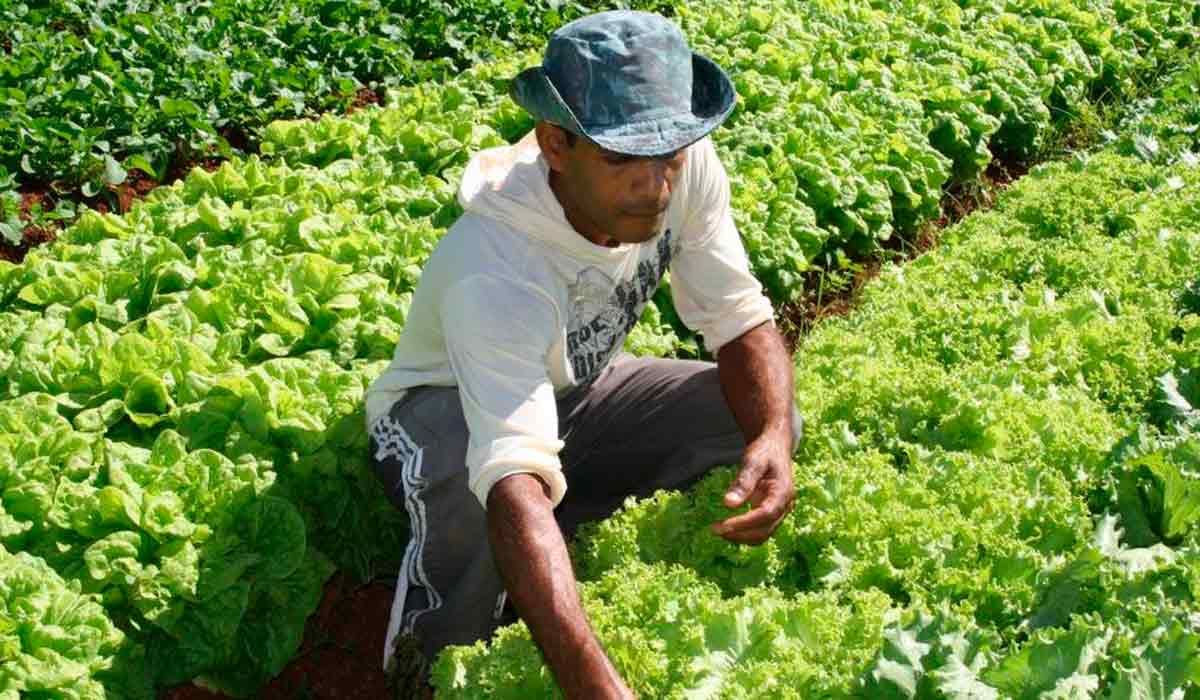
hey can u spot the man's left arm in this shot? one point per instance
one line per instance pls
(756, 378)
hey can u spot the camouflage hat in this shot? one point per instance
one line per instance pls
(628, 81)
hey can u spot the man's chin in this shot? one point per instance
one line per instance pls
(642, 231)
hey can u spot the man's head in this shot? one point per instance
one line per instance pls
(618, 97)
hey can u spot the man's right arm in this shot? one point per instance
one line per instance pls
(497, 333)
(532, 559)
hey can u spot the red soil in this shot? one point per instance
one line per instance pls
(341, 653)
(362, 98)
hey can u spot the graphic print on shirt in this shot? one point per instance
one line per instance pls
(600, 319)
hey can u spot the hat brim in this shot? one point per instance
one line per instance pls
(713, 100)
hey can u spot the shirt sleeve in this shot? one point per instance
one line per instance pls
(711, 284)
(498, 332)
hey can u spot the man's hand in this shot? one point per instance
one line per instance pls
(765, 480)
(756, 378)
(532, 558)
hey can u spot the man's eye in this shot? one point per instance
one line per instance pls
(618, 158)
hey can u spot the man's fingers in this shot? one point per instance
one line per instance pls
(774, 503)
(753, 467)
(761, 516)
(744, 530)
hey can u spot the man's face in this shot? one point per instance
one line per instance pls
(609, 196)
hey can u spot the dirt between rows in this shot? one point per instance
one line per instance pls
(341, 656)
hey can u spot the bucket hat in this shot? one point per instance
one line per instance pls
(627, 81)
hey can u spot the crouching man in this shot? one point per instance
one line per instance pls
(509, 415)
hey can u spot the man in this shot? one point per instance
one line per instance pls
(508, 415)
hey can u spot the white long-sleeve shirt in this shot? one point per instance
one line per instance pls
(515, 307)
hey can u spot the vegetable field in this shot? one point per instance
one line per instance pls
(999, 493)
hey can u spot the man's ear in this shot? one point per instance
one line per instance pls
(553, 142)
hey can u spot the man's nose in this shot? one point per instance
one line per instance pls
(654, 181)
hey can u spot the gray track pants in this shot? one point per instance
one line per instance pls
(644, 424)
